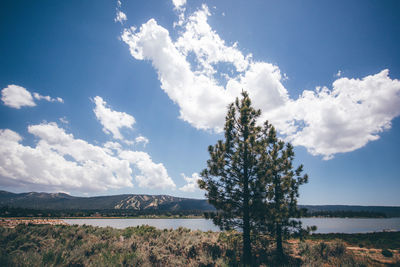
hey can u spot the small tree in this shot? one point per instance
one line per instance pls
(282, 190)
(249, 178)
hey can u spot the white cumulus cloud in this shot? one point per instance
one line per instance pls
(200, 99)
(112, 120)
(151, 175)
(142, 139)
(202, 75)
(120, 17)
(346, 117)
(58, 161)
(179, 4)
(207, 45)
(196, 89)
(191, 183)
(17, 96)
(47, 98)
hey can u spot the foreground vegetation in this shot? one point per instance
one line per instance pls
(382, 240)
(61, 245)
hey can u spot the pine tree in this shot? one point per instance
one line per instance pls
(249, 178)
(282, 190)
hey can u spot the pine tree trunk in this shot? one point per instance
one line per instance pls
(278, 198)
(246, 212)
(246, 232)
(279, 249)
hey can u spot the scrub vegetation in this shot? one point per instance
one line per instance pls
(62, 245)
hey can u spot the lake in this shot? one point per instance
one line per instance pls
(325, 225)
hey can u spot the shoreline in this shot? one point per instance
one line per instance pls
(164, 217)
(12, 223)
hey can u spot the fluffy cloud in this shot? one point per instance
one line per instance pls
(142, 139)
(202, 75)
(121, 17)
(200, 99)
(47, 98)
(61, 162)
(148, 173)
(17, 96)
(209, 48)
(191, 183)
(151, 175)
(111, 120)
(179, 4)
(112, 148)
(347, 117)
(195, 87)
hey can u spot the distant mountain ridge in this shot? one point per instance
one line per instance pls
(62, 201)
(58, 201)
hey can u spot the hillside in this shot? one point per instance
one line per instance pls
(61, 201)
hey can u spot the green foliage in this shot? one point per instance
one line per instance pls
(5, 259)
(48, 257)
(387, 253)
(250, 178)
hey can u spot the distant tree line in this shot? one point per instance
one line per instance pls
(345, 214)
(45, 213)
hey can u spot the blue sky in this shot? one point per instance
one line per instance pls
(104, 97)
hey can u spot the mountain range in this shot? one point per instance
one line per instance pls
(62, 201)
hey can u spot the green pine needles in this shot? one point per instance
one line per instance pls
(251, 181)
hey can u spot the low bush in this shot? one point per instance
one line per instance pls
(387, 253)
(329, 254)
(381, 240)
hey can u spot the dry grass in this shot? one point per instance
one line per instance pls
(60, 245)
(339, 253)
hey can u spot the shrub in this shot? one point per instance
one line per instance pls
(192, 253)
(387, 253)
(48, 257)
(329, 254)
(4, 259)
(337, 249)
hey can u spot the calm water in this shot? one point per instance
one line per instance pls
(325, 225)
